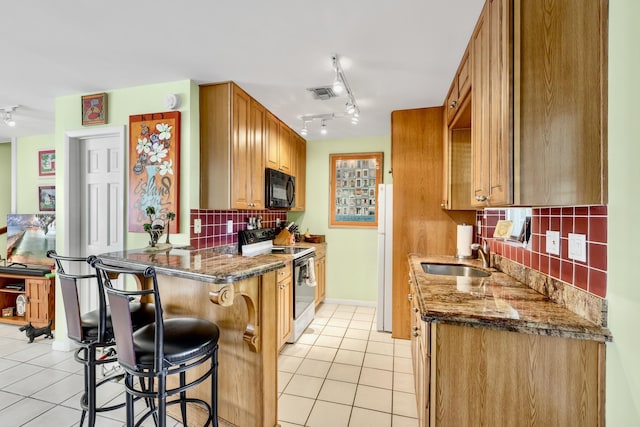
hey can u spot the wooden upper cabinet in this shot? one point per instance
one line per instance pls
(231, 148)
(284, 149)
(561, 102)
(539, 104)
(272, 142)
(460, 88)
(298, 169)
(491, 138)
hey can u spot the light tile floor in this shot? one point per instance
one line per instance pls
(341, 372)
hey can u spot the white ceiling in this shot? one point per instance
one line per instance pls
(396, 54)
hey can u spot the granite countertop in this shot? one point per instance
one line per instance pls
(205, 265)
(496, 302)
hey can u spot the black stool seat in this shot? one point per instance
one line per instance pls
(141, 314)
(184, 339)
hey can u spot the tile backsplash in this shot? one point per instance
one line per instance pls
(591, 221)
(214, 225)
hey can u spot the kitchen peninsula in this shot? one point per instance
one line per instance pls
(490, 350)
(239, 294)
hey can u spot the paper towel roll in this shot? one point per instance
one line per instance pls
(465, 238)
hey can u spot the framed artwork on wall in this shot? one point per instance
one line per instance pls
(154, 168)
(94, 109)
(354, 180)
(47, 162)
(47, 198)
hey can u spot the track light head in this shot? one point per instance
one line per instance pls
(7, 117)
(323, 127)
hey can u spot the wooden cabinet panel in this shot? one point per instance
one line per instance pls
(417, 148)
(561, 102)
(241, 150)
(285, 310)
(321, 278)
(256, 147)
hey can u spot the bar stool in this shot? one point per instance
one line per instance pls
(92, 331)
(154, 352)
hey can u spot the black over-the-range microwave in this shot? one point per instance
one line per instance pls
(280, 190)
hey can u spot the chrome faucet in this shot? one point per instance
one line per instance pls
(484, 251)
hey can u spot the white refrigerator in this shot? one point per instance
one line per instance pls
(385, 247)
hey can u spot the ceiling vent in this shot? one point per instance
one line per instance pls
(323, 92)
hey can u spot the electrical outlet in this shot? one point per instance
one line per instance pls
(229, 226)
(578, 247)
(553, 242)
(197, 226)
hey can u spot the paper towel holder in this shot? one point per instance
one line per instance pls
(473, 254)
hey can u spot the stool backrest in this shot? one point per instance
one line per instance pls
(69, 286)
(119, 300)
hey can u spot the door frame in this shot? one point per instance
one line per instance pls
(72, 180)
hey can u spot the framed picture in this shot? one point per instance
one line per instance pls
(47, 162)
(94, 109)
(154, 168)
(354, 180)
(47, 198)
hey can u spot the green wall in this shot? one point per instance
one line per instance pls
(351, 252)
(623, 290)
(27, 171)
(139, 100)
(5, 192)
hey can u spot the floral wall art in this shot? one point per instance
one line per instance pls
(154, 161)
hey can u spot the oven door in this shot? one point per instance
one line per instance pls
(304, 284)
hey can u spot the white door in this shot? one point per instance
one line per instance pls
(101, 201)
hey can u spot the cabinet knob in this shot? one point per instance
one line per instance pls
(410, 297)
(453, 104)
(416, 331)
(443, 204)
(481, 198)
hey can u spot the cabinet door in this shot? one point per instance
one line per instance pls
(241, 151)
(321, 279)
(40, 306)
(299, 160)
(492, 143)
(256, 148)
(272, 141)
(284, 151)
(284, 310)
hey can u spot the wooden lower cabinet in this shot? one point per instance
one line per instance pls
(40, 295)
(472, 377)
(285, 301)
(321, 273)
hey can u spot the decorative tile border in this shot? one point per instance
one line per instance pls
(214, 225)
(590, 276)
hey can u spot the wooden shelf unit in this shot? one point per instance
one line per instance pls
(40, 293)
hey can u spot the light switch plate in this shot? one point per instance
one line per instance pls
(553, 242)
(197, 226)
(578, 247)
(229, 226)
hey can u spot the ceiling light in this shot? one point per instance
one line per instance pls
(8, 117)
(351, 108)
(354, 120)
(323, 127)
(304, 130)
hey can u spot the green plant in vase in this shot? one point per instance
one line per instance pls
(155, 226)
(170, 216)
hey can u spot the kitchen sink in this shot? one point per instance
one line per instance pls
(453, 270)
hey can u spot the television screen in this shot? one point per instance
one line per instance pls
(29, 237)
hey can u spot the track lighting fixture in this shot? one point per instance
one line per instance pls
(340, 85)
(7, 116)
